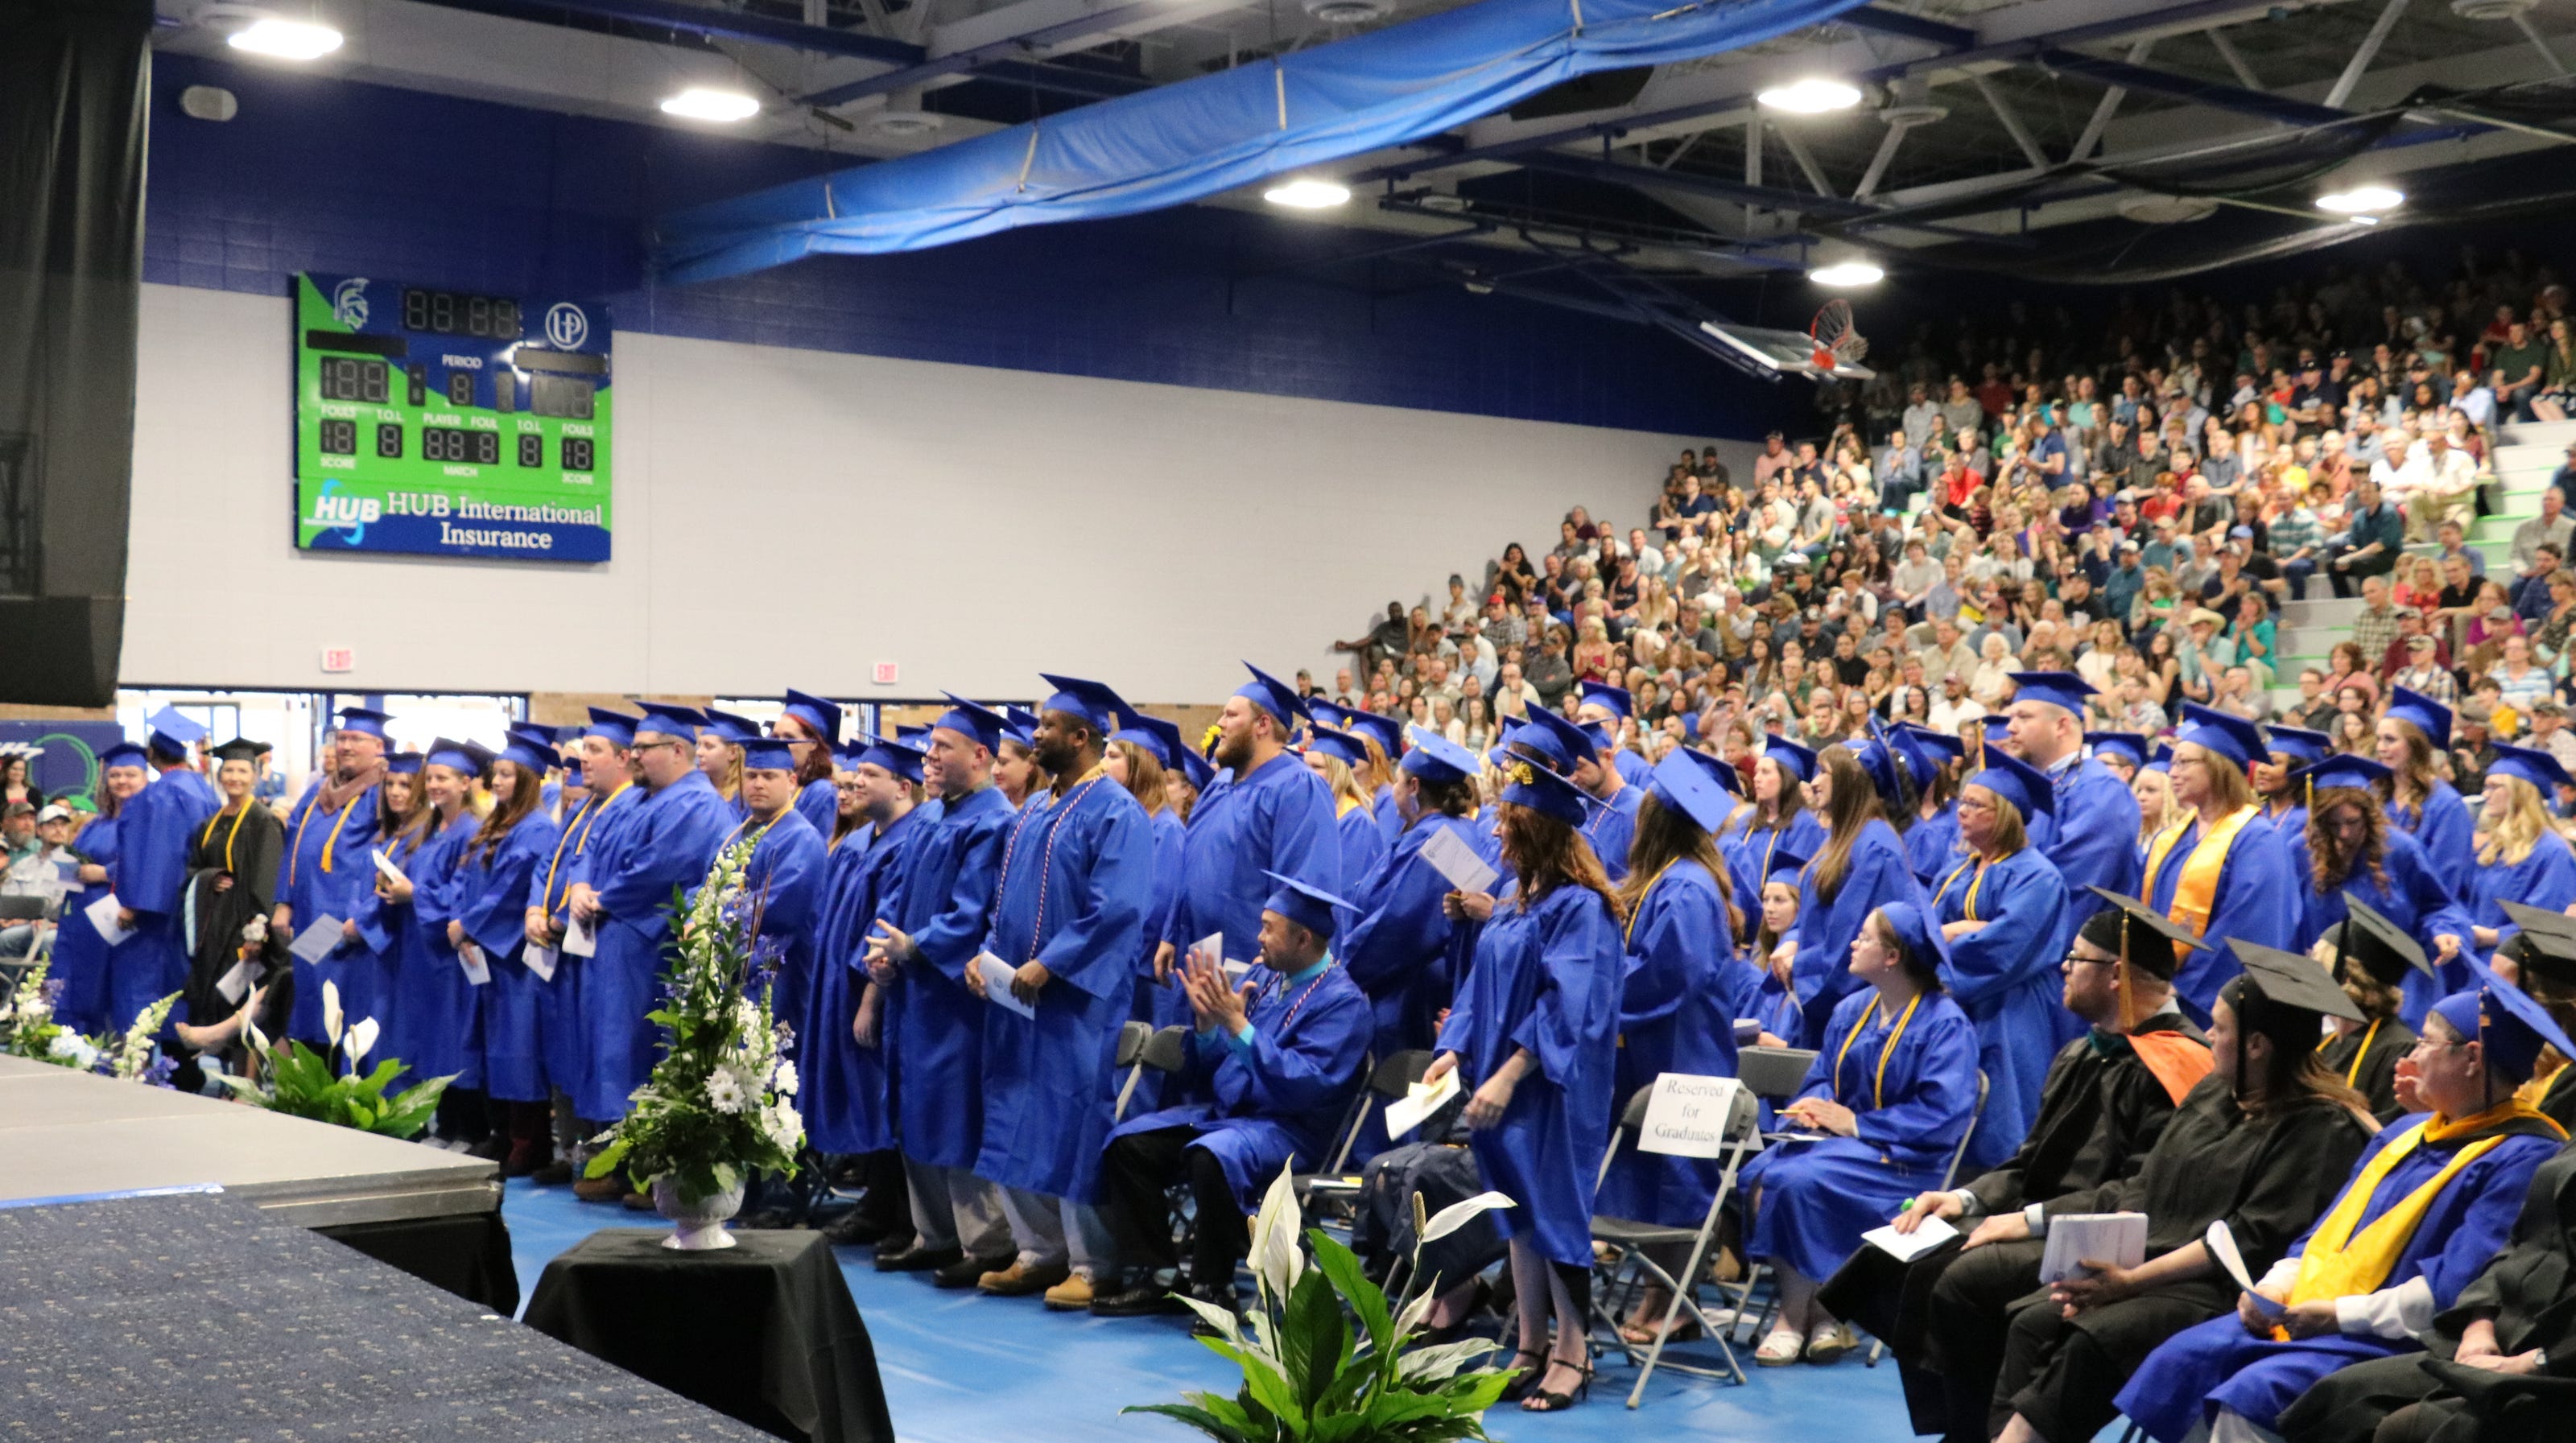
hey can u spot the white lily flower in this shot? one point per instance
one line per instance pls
(1457, 1215)
(362, 1038)
(1276, 1259)
(332, 1016)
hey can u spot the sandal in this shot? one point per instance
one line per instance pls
(1553, 1402)
(1523, 1378)
(1642, 1332)
(1783, 1347)
(1829, 1343)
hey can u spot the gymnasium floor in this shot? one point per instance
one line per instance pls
(960, 1368)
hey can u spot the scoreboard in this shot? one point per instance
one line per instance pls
(448, 423)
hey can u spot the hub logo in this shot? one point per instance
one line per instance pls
(349, 303)
(334, 511)
(566, 326)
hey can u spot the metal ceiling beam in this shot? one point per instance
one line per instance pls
(2368, 51)
(715, 25)
(2234, 57)
(2109, 106)
(1063, 22)
(2214, 94)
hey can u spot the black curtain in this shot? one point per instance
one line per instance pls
(74, 88)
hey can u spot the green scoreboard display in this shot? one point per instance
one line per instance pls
(449, 424)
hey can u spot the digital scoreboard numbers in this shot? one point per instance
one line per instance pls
(447, 423)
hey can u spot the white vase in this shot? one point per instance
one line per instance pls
(698, 1228)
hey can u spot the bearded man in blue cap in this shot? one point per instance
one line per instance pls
(1272, 815)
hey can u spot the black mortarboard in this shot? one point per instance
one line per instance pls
(2378, 946)
(2286, 979)
(241, 749)
(2159, 960)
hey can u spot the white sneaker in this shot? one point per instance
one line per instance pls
(1780, 1349)
(1830, 1342)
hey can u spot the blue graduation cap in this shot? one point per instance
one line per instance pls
(970, 719)
(1386, 731)
(2162, 761)
(123, 754)
(823, 716)
(1786, 866)
(2427, 715)
(1612, 699)
(664, 719)
(2132, 745)
(1020, 724)
(403, 764)
(1309, 907)
(1918, 760)
(1200, 771)
(1541, 790)
(729, 726)
(2057, 688)
(1798, 761)
(2341, 770)
(1690, 725)
(573, 771)
(2232, 737)
(1718, 769)
(1089, 700)
(2506, 1019)
(1879, 762)
(2298, 742)
(2532, 765)
(173, 731)
(458, 756)
(1679, 784)
(1995, 724)
(1556, 741)
(2018, 782)
(1157, 736)
(894, 756)
(1273, 696)
(1921, 935)
(534, 750)
(1339, 745)
(364, 719)
(614, 727)
(1436, 759)
(1929, 742)
(563, 736)
(768, 754)
(913, 736)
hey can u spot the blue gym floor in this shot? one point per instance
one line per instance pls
(960, 1368)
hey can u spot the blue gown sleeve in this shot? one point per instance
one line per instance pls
(1405, 924)
(790, 875)
(1931, 1087)
(819, 803)
(153, 867)
(1679, 942)
(1095, 950)
(951, 936)
(2096, 839)
(1311, 1068)
(496, 915)
(1304, 837)
(2021, 917)
(2546, 878)
(2248, 904)
(2445, 833)
(1575, 1010)
(1363, 846)
(438, 898)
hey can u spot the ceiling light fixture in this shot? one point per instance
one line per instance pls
(1308, 192)
(1814, 95)
(285, 39)
(2362, 200)
(722, 106)
(1847, 273)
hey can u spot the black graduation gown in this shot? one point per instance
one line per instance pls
(2100, 1111)
(2529, 1290)
(2376, 1077)
(248, 847)
(2558, 1100)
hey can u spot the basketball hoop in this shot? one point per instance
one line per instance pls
(1832, 339)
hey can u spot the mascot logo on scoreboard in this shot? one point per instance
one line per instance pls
(566, 326)
(349, 303)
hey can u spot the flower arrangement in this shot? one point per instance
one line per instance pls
(296, 1080)
(716, 1108)
(1306, 1378)
(28, 1029)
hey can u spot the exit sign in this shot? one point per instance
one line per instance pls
(339, 658)
(887, 673)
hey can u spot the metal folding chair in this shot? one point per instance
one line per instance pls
(1131, 1059)
(1632, 1239)
(1387, 1081)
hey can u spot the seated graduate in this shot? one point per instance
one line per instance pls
(1887, 1099)
(1277, 1060)
(1402, 949)
(1775, 952)
(2373, 960)
(2262, 1143)
(2000, 911)
(2540, 958)
(2218, 868)
(2351, 849)
(2425, 1209)
(2108, 1097)
(1861, 787)
(2519, 852)
(2120, 753)
(2412, 732)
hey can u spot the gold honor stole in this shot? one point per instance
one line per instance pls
(2196, 895)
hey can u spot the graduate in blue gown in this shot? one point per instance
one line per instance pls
(2347, 847)
(155, 832)
(2120, 753)
(2001, 911)
(842, 1037)
(1932, 843)
(719, 752)
(1336, 757)
(80, 953)
(1381, 740)
(2520, 855)
(505, 1030)
(426, 1003)
(1859, 867)
(1068, 915)
(1272, 815)
(2412, 732)
(2285, 803)
(1773, 1002)
(1614, 710)
(328, 871)
(1143, 756)
(2220, 871)
(659, 843)
(783, 880)
(812, 724)
(609, 789)
(381, 922)
(1778, 821)
(1533, 1037)
(1403, 950)
(2354, 1291)
(1891, 1092)
(2090, 834)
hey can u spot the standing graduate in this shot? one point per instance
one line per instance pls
(1068, 915)
(1272, 815)
(232, 862)
(2086, 834)
(328, 871)
(1778, 820)
(2351, 849)
(380, 926)
(426, 1001)
(1403, 951)
(1141, 757)
(155, 835)
(2122, 754)
(1612, 826)
(2432, 1199)
(1614, 711)
(1534, 1033)
(1859, 867)
(1932, 843)
(845, 1032)
(783, 880)
(719, 754)
(2412, 732)
(1382, 737)
(2001, 912)
(2520, 854)
(811, 725)
(1337, 756)
(1892, 1090)
(80, 953)
(505, 1014)
(2220, 870)
(2374, 960)
(2285, 802)
(608, 787)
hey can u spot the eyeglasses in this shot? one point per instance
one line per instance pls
(664, 742)
(2078, 959)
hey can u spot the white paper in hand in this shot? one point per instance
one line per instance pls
(235, 983)
(997, 985)
(102, 915)
(2076, 1238)
(1419, 1101)
(2222, 1246)
(580, 939)
(477, 970)
(1458, 862)
(316, 941)
(1906, 1247)
(386, 865)
(540, 960)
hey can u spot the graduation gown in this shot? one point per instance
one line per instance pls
(943, 902)
(843, 1085)
(2005, 977)
(2414, 899)
(563, 1034)
(328, 873)
(2290, 825)
(1912, 1083)
(1279, 819)
(2545, 878)
(1273, 1101)
(1390, 818)
(1611, 828)
(784, 881)
(2252, 884)
(819, 803)
(1749, 863)
(1077, 876)
(80, 954)
(425, 1006)
(1162, 1004)
(1403, 951)
(2091, 840)
(156, 833)
(1676, 1014)
(2367, 1061)
(1545, 979)
(660, 842)
(505, 1029)
(1932, 845)
(384, 931)
(245, 847)
(2443, 825)
(1821, 972)
(2218, 1365)
(1363, 846)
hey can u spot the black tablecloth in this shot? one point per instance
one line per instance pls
(765, 1331)
(468, 1256)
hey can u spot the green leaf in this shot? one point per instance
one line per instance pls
(1442, 1361)
(1314, 1339)
(1203, 1419)
(1269, 1387)
(608, 1159)
(1366, 1299)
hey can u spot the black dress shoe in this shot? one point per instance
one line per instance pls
(493, 1148)
(919, 1259)
(969, 1270)
(557, 1173)
(855, 1229)
(1145, 1300)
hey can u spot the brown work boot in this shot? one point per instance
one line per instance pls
(606, 1189)
(1073, 1295)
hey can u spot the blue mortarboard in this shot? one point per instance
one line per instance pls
(1614, 699)
(2057, 688)
(823, 716)
(1200, 771)
(1921, 935)
(665, 719)
(971, 719)
(457, 756)
(1088, 700)
(123, 754)
(1158, 737)
(1020, 724)
(913, 736)
(613, 727)
(1718, 769)
(1994, 724)
(2297, 742)
(2340, 770)
(1880, 763)
(1272, 695)
(564, 736)
(1386, 731)
(2507, 1020)
(404, 764)
(768, 754)
(2162, 761)
(2132, 745)
(2017, 782)
(2532, 765)
(1331, 714)
(1558, 742)
(729, 726)
(175, 731)
(1337, 744)
(1786, 866)
(534, 750)
(364, 719)
(1541, 790)
(1800, 761)
(1307, 906)
(1948, 747)
(572, 768)
(2232, 737)
(1434, 758)
(2428, 715)
(1679, 783)
(894, 756)
(1918, 760)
